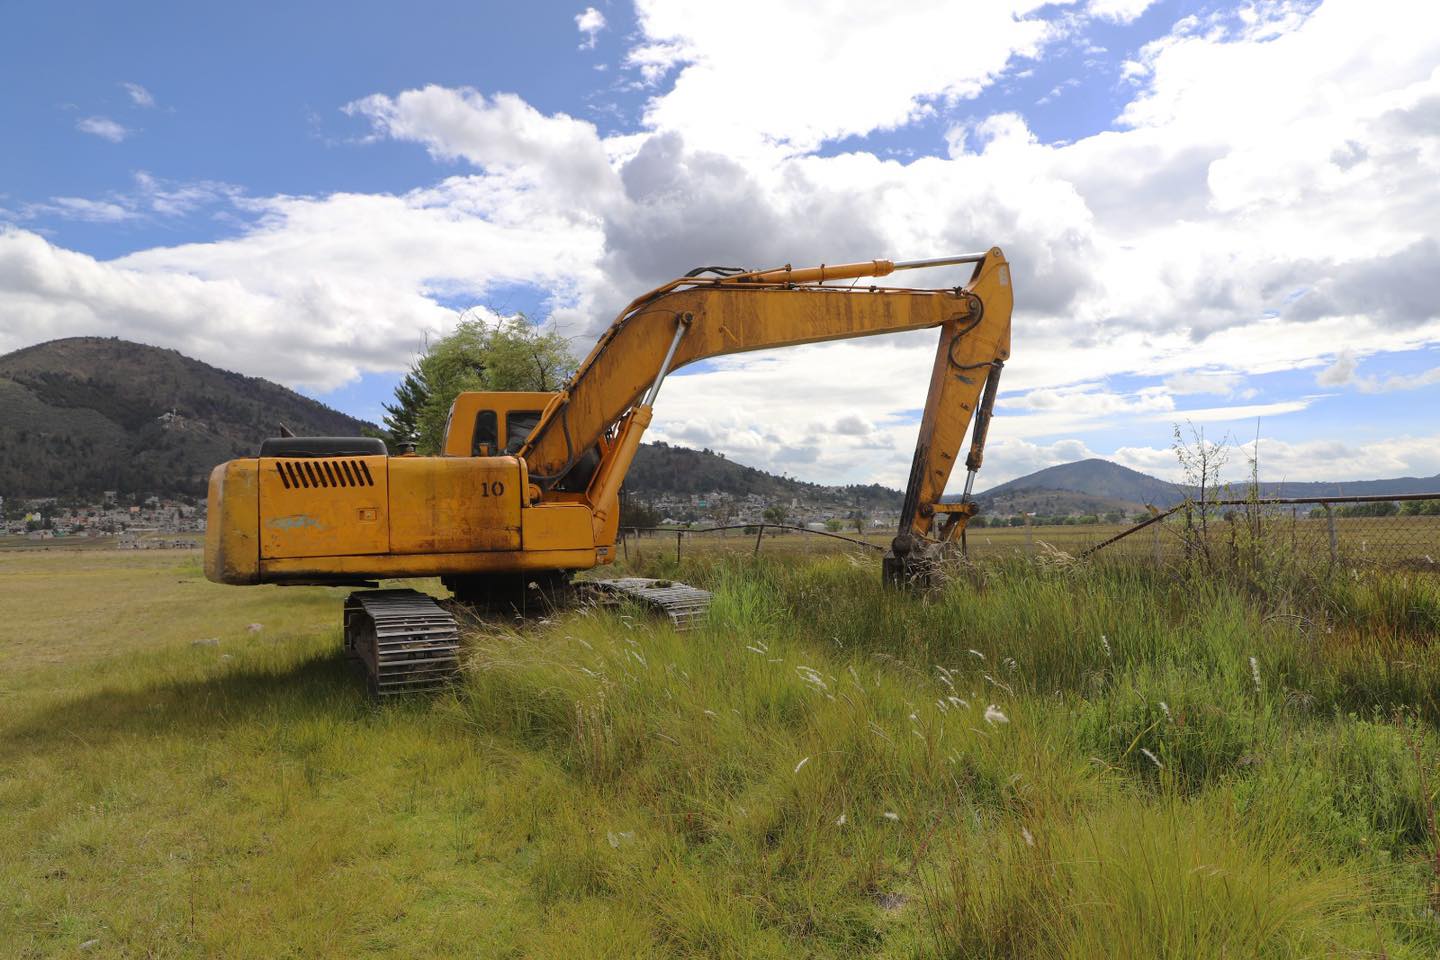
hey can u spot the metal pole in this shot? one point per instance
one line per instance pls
(940, 261)
(654, 391)
(625, 545)
(1334, 540)
(1189, 532)
(758, 534)
(678, 534)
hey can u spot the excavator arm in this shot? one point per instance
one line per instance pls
(608, 402)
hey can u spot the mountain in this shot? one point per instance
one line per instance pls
(1085, 486)
(1099, 486)
(87, 414)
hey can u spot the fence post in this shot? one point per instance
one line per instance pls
(758, 534)
(1334, 540)
(625, 544)
(678, 534)
(1189, 532)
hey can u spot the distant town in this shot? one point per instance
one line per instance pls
(150, 522)
(132, 522)
(723, 509)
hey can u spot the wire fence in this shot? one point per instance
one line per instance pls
(1397, 531)
(752, 538)
(1338, 532)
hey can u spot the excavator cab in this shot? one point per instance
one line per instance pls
(492, 423)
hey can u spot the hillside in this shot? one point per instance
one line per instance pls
(1099, 486)
(87, 414)
(661, 470)
(1085, 486)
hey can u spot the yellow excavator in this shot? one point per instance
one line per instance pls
(527, 488)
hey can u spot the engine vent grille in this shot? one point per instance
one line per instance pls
(317, 473)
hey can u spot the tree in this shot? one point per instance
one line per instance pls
(834, 526)
(722, 510)
(402, 418)
(1201, 461)
(775, 514)
(637, 513)
(507, 353)
(860, 520)
(1376, 508)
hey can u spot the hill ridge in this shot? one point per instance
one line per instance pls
(81, 415)
(1096, 485)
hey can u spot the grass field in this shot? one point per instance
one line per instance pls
(1040, 761)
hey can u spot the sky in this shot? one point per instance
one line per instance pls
(1219, 216)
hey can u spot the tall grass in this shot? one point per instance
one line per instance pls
(1054, 763)
(1035, 761)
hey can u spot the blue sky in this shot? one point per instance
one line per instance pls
(1216, 211)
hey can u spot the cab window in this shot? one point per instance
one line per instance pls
(518, 424)
(485, 440)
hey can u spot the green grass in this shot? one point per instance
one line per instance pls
(1037, 761)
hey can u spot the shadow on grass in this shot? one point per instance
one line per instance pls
(323, 685)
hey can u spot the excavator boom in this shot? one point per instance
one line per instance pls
(695, 318)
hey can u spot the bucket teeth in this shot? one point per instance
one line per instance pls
(407, 642)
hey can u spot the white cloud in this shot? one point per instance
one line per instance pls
(1009, 457)
(1343, 373)
(168, 198)
(1306, 461)
(1338, 373)
(1394, 382)
(103, 127)
(139, 96)
(95, 211)
(1120, 11)
(502, 134)
(792, 75)
(1220, 382)
(317, 292)
(590, 23)
(151, 197)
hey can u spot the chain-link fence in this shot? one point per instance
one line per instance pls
(1401, 531)
(638, 543)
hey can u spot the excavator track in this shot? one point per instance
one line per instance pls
(406, 640)
(686, 606)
